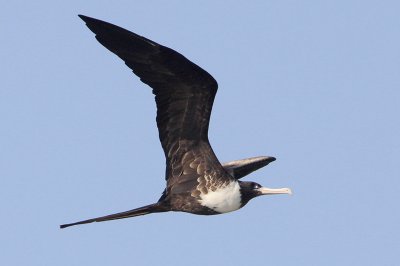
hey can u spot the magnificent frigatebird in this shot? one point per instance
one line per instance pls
(196, 181)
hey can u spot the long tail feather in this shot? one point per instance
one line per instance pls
(152, 208)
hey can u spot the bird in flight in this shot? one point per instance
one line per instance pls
(197, 182)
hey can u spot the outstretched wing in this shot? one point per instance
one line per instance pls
(241, 168)
(184, 94)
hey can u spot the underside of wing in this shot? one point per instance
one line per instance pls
(241, 168)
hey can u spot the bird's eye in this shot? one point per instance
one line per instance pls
(256, 186)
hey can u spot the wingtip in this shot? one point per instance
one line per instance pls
(268, 159)
(88, 19)
(84, 18)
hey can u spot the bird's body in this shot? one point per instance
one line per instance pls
(196, 181)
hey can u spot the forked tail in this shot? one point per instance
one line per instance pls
(152, 208)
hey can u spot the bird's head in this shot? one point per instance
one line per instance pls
(251, 190)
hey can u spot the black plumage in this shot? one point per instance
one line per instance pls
(184, 94)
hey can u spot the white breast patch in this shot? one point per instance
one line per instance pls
(224, 199)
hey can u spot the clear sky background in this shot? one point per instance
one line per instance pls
(314, 83)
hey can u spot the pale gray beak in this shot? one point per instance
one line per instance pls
(271, 191)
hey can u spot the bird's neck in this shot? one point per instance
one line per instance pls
(224, 199)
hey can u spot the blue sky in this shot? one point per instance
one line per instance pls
(314, 83)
